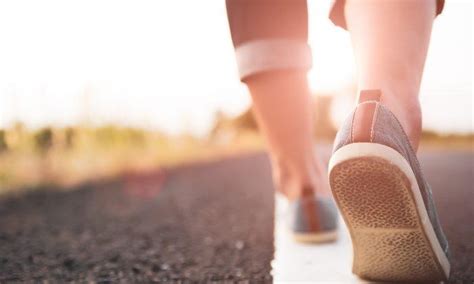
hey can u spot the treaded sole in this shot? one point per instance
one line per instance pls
(325, 237)
(379, 199)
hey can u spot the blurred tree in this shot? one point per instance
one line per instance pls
(43, 140)
(246, 121)
(69, 134)
(231, 126)
(14, 136)
(3, 141)
(227, 129)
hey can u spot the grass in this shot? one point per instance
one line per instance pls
(67, 156)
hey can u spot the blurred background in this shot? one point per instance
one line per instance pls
(92, 89)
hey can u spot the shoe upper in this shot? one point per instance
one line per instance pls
(373, 122)
(312, 214)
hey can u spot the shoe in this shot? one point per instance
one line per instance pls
(384, 199)
(313, 219)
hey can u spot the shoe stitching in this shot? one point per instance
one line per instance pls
(352, 125)
(372, 127)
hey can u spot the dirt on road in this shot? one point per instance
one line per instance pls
(198, 223)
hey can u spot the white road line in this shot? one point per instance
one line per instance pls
(323, 263)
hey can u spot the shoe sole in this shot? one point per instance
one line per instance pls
(325, 237)
(381, 204)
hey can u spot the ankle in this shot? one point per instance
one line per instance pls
(300, 178)
(407, 109)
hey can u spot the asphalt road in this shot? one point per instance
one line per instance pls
(197, 223)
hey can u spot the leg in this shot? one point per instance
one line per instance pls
(390, 40)
(273, 58)
(283, 108)
(374, 173)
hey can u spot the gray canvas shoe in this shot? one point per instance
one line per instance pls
(384, 199)
(313, 219)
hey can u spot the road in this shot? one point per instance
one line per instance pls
(197, 223)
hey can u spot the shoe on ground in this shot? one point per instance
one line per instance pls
(313, 219)
(384, 199)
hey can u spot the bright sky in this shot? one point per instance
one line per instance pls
(170, 64)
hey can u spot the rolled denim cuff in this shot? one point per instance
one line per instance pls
(259, 56)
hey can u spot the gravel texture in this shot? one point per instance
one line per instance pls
(210, 222)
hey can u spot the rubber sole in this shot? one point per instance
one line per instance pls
(325, 237)
(381, 204)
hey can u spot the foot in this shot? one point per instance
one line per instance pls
(297, 178)
(407, 110)
(385, 200)
(312, 214)
(313, 219)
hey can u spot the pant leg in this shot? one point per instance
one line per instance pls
(336, 14)
(269, 35)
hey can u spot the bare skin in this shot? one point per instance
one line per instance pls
(282, 104)
(390, 42)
